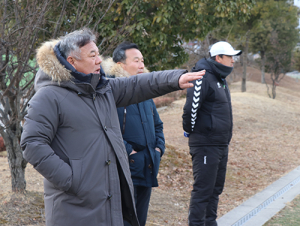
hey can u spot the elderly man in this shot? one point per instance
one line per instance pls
(141, 127)
(207, 118)
(72, 135)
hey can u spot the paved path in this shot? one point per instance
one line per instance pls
(264, 205)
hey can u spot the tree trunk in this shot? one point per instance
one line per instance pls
(245, 60)
(263, 62)
(17, 163)
(274, 91)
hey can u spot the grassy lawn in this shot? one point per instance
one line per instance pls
(288, 216)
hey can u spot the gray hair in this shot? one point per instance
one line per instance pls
(71, 43)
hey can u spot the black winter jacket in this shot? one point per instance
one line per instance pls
(207, 112)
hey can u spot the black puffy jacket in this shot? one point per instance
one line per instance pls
(207, 112)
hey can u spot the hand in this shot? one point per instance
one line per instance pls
(133, 152)
(157, 149)
(185, 79)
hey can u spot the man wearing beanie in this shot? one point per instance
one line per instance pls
(207, 121)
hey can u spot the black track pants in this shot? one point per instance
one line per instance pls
(209, 170)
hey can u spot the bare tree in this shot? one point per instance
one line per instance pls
(23, 26)
(20, 26)
(278, 62)
(245, 61)
(197, 50)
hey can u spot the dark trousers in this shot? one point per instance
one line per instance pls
(209, 171)
(142, 200)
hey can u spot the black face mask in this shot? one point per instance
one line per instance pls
(220, 69)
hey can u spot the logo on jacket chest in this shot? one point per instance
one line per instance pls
(220, 86)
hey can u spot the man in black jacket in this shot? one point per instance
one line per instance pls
(207, 121)
(141, 127)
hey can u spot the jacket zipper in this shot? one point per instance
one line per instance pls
(229, 103)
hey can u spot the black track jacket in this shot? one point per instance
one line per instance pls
(207, 114)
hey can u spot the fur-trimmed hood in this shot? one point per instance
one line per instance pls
(113, 69)
(48, 62)
(56, 70)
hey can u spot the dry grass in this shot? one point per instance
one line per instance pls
(264, 147)
(21, 209)
(169, 98)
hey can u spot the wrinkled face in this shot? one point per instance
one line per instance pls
(134, 63)
(90, 59)
(225, 60)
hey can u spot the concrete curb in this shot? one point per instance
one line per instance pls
(264, 205)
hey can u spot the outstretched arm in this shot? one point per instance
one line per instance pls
(185, 79)
(142, 87)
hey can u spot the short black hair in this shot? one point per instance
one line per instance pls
(119, 53)
(214, 57)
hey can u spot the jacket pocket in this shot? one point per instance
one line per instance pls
(204, 123)
(76, 177)
(136, 164)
